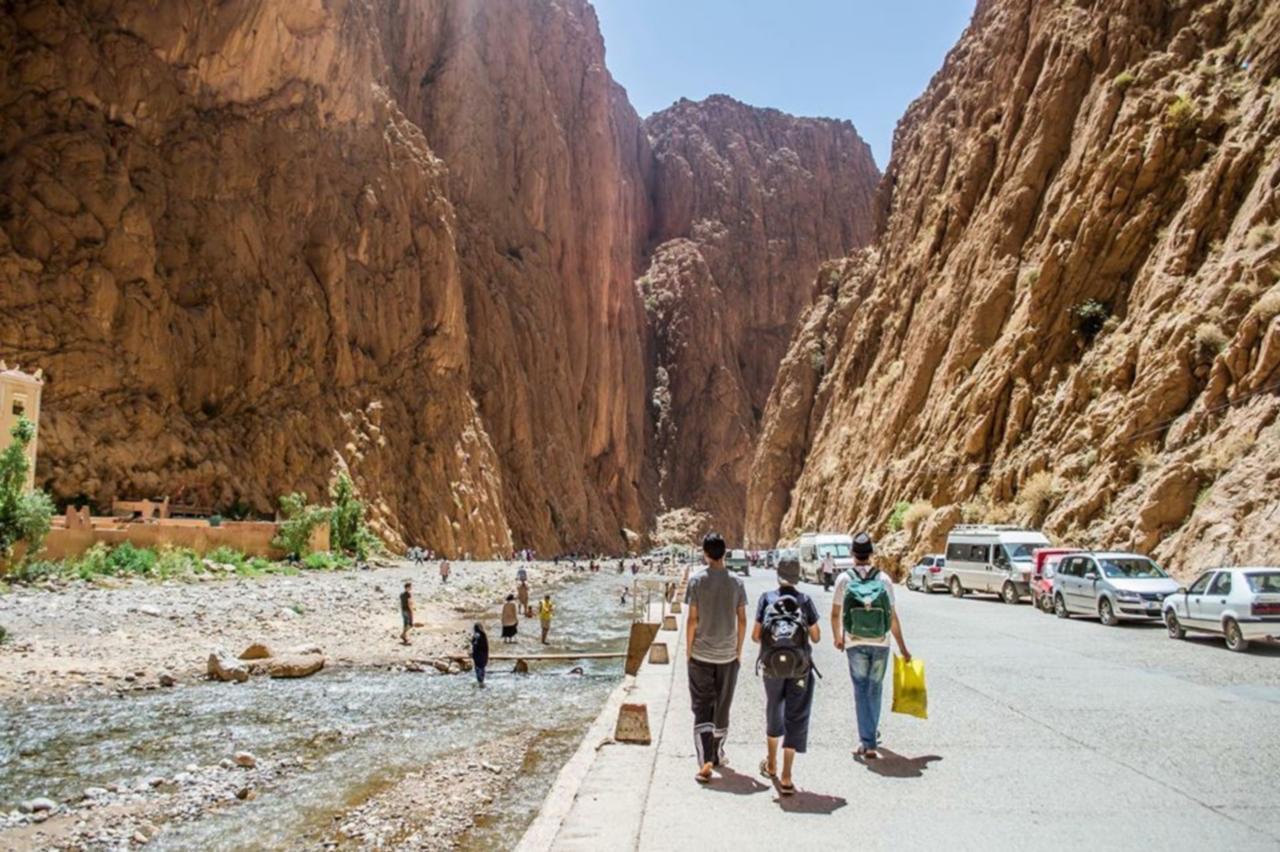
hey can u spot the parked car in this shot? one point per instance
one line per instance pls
(1239, 604)
(926, 575)
(1114, 587)
(1044, 564)
(991, 558)
(738, 561)
(814, 547)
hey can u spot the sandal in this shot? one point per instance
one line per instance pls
(702, 779)
(786, 789)
(764, 768)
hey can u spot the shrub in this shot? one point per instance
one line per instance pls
(972, 512)
(1031, 277)
(129, 560)
(321, 561)
(1181, 112)
(300, 521)
(998, 513)
(898, 514)
(1124, 80)
(4, 635)
(25, 516)
(1147, 456)
(1090, 318)
(1267, 307)
(1259, 236)
(177, 562)
(348, 532)
(1036, 495)
(919, 512)
(1209, 336)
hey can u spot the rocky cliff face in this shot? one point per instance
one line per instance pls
(1070, 314)
(748, 203)
(252, 243)
(235, 260)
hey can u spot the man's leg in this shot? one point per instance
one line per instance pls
(799, 704)
(878, 658)
(774, 722)
(860, 672)
(726, 681)
(702, 699)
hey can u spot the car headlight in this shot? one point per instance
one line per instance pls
(1128, 596)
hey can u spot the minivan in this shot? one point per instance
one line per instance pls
(992, 558)
(814, 547)
(1114, 587)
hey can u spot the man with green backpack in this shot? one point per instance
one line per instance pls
(862, 617)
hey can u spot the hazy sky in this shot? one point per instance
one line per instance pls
(863, 60)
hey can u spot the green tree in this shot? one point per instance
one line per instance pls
(24, 515)
(348, 532)
(300, 521)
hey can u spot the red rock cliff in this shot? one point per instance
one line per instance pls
(1071, 314)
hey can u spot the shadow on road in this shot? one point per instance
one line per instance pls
(804, 802)
(894, 765)
(736, 783)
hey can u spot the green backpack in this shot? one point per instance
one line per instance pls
(868, 608)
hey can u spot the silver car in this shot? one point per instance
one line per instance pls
(1113, 587)
(1239, 604)
(926, 575)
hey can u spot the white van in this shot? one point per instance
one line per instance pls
(991, 558)
(814, 547)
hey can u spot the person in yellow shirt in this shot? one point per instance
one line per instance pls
(546, 610)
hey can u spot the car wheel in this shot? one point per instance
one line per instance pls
(1107, 613)
(1009, 593)
(1176, 630)
(1235, 636)
(957, 590)
(1060, 607)
(1046, 604)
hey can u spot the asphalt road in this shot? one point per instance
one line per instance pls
(1042, 734)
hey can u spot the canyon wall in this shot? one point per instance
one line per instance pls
(1070, 314)
(747, 203)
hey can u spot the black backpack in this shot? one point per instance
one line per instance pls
(784, 640)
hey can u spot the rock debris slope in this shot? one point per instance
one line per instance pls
(1070, 313)
(252, 241)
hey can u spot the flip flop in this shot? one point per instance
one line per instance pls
(764, 768)
(702, 779)
(786, 789)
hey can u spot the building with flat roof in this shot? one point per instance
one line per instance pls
(20, 397)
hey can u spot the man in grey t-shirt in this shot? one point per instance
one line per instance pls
(714, 633)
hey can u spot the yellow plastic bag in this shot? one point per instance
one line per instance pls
(909, 695)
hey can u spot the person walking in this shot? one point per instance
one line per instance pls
(786, 626)
(828, 572)
(510, 620)
(444, 570)
(406, 612)
(862, 617)
(546, 611)
(715, 631)
(522, 594)
(479, 652)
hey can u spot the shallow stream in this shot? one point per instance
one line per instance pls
(355, 730)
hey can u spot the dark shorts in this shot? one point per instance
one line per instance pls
(407, 619)
(787, 706)
(508, 630)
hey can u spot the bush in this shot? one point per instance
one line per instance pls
(1031, 277)
(1181, 112)
(129, 560)
(300, 521)
(25, 516)
(916, 514)
(321, 561)
(1036, 495)
(1090, 317)
(899, 512)
(177, 562)
(348, 532)
(1209, 336)
(1124, 80)
(1259, 236)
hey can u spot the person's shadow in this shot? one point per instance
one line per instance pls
(804, 802)
(893, 765)
(728, 781)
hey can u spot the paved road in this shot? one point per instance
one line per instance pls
(1042, 734)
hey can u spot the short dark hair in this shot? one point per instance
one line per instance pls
(713, 545)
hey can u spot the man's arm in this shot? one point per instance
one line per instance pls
(837, 624)
(690, 628)
(895, 627)
(755, 633)
(742, 628)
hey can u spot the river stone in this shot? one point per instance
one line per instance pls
(302, 665)
(302, 650)
(256, 651)
(245, 760)
(167, 680)
(35, 806)
(222, 666)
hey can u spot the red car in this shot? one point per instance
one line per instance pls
(1044, 565)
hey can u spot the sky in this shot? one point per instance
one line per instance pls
(864, 60)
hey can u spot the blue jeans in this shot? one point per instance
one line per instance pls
(867, 664)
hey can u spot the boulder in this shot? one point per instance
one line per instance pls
(295, 665)
(245, 760)
(309, 648)
(167, 679)
(222, 666)
(256, 651)
(38, 805)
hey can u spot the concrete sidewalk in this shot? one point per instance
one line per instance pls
(1043, 734)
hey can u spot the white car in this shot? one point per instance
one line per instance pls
(1112, 587)
(926, 575)
(1239, 604)
(992, 558)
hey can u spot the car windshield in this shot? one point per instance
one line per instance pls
(835, 551)
(1133, 569)
(1021, 552)
(1264, 583)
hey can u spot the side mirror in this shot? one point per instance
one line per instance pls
(1092, 575)
(1182, 590)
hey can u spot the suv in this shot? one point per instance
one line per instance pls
(1112, 586)
(738, 561)
(1239, 604)
(926, 575)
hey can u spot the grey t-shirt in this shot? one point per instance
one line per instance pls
(717, 594)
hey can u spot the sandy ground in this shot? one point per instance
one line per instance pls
(125, 635)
